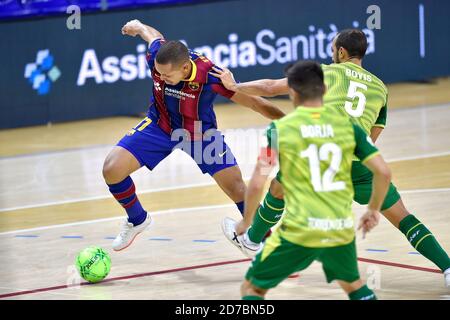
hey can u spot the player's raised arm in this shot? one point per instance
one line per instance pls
(147, 33)
(258, 104)
(263, 87)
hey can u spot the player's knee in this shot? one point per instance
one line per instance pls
(112, 170)
(276, 189)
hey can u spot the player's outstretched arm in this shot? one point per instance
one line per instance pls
(380, 186)
(263, 87)
(266, 162)
(147, 33)
(258, 104)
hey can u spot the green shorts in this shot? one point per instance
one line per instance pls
(362, 184)
(280, 258)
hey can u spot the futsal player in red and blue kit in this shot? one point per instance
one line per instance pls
(181, 116)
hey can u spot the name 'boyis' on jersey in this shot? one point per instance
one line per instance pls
(358, 75)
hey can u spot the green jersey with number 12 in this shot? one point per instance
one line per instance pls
(315, 150)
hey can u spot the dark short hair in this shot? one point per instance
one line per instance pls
(172, 52)
(306, 78)
(354, 41)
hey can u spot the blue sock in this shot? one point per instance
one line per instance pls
(125, 194)
(240, 206)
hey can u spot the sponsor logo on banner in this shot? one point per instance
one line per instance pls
(42, 73)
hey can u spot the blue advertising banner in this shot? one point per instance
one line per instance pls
(53, 71)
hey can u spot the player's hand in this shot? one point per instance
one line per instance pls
(241, 227)
(226, 76)
(368, 221)
(132, 28)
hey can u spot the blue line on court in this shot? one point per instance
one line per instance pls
(25, 236)
(203, 240)
(377, 250)
(72, 237)
(413, 253)
(161, 239)
(110, 238)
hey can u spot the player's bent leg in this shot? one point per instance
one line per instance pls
(230, 181)
(420, 237)
(119, 164)
(268, 213)
(394, 210)
(251, 292)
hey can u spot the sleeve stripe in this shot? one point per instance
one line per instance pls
(378, 125)
(370, 156)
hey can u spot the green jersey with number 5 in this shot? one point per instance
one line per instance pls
(357, 93)
(315, 149)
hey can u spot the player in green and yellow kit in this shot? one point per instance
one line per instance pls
(315, 148)
(361, 96)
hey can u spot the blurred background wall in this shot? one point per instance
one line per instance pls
(52, 73)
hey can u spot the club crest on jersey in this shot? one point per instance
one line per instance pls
(194, 86)
(157, 86)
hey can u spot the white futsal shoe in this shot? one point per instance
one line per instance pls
(129, 232)
(447, 278)
(242, 242)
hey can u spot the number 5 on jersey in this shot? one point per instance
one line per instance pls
(352, 94)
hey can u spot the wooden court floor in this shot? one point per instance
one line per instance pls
(53, 203)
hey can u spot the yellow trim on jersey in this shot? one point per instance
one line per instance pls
(376, 153)
(194, 71)
(378, 125)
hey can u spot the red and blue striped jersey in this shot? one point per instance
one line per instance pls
(189, 102)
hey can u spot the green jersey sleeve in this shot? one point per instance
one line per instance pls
(381, 120)
(271, 134)
(364, 149)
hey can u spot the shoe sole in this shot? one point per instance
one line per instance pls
(131, 242)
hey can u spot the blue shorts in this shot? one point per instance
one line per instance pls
(150, 145)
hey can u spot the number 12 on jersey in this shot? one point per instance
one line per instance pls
(324, 183)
